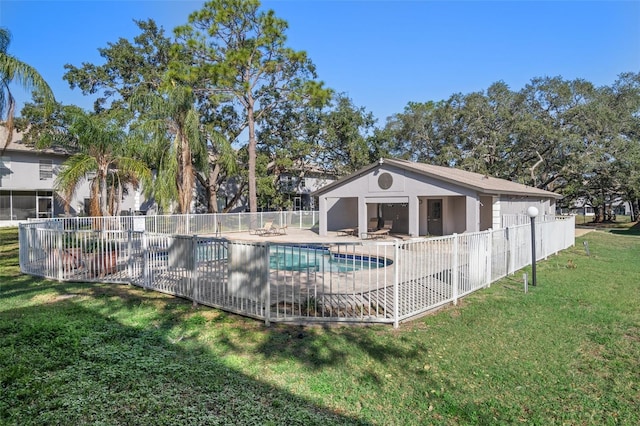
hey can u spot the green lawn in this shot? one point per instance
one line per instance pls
(568, 352)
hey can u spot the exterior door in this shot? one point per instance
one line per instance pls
(45, 207)
(434, 217)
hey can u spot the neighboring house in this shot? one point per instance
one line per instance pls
(296, 183)
(226, 193)
(300, 183)
(27, 177)
(423, 199)
(583, 207)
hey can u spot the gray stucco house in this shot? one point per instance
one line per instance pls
(423, 199)
(27, 177)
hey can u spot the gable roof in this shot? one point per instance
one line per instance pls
(475, 181)
(18, 145)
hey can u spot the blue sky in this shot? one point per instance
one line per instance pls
(382, 54)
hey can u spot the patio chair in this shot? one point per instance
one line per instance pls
(347, 232)
(279, 230)
(373, 224)
(382, 232)
(265, 230)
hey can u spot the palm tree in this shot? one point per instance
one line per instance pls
(101, 147)
(12, 70)
(178, 143)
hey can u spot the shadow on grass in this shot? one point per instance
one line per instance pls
(64, 363)
(73, 358)
(633, 231)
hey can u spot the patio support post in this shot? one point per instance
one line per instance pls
(472, 204)
(322, 215)
(362, 216)
(414, 216)
(454, 270)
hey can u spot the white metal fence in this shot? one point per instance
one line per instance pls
(186, 224)
(523, 219)
(363, 281)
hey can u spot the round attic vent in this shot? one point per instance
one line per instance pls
(385, 180)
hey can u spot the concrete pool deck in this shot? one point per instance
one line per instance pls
(295, 235)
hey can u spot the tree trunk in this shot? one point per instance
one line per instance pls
(601, 213)
(212, 188)
(103, 193)
(253, 194)
(94, 202)
(185, 174)
(9, 123)
(119, 193)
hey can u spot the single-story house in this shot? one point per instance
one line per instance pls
(422, 199)
(584, 207)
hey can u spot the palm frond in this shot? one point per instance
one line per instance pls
(74, 170)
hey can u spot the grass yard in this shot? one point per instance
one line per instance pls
(568, 352)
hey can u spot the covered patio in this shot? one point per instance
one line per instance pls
(423, 200)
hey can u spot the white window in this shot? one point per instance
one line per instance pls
(46, 169)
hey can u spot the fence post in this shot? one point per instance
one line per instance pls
(194, 271)
(507, 249)
(455, 273)
(489, 255)
(60, 255)
(145, 263)
(129, 255)
(267, 288)
(21, 245)
(512, 250)
(396, 279)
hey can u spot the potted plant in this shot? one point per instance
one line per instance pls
(101, 256)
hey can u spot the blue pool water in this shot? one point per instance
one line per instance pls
(301, 258)
(292, 258)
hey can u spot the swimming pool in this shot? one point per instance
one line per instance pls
(283, 257)
(320, 259)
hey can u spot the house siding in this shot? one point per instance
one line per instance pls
(25, 194)
(405, 192)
